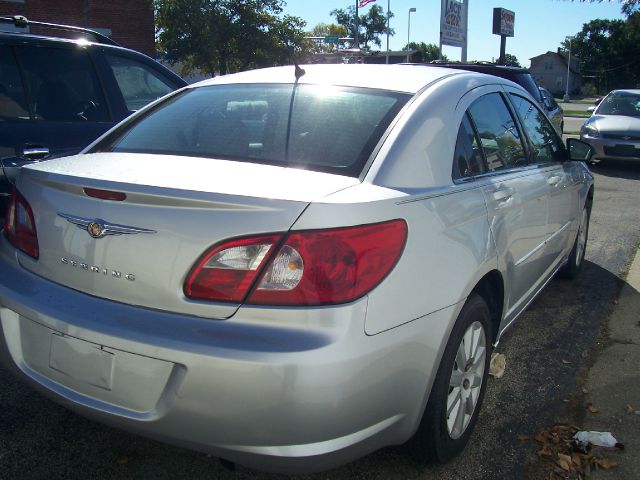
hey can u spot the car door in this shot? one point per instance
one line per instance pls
(65, 101)
(515, 193)
(563, 181)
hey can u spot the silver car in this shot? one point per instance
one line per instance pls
(290, 268)
(614, 128)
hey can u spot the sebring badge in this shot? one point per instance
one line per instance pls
(98, 228)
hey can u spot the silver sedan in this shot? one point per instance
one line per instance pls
(293, 267)
(614, 128)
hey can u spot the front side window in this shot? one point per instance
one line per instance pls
(545, 144)
(138, 83)
(13, 103)
(322, 128)
(63, 83)
(498, 133)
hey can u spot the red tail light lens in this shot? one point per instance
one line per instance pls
(331, 266)
(317, 267)
(227, 271)
(20, 226)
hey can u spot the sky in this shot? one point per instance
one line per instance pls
(540, 25)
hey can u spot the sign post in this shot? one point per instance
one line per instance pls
(503, 24)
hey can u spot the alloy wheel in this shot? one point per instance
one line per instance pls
(466, 379)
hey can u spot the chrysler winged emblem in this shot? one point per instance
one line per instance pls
(98, 228)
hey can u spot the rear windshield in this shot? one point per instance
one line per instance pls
(322, 128)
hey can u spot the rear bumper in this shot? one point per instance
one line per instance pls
(289, 390)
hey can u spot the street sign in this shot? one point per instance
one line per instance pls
(331, 39)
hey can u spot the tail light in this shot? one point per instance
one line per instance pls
(315, 267)
(20, 226)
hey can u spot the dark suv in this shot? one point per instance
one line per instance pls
(57, 95)
(518, 75)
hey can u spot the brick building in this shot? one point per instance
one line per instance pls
(128, 22)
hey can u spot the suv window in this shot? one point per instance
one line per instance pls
(13, 102)
(138, 83)
(468, 159)
(324, 129)
(63, 84)
(546, 146)
(498, 132)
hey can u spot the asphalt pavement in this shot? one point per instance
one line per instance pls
(613, 382)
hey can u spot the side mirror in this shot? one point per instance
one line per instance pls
(591, 109)
(579, 151)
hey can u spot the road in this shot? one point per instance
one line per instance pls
(545, 350)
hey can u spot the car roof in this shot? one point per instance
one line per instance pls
(405, 78)
(634, 91)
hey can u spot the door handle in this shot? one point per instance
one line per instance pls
(503, 194)
(35, 152)
(554, 180)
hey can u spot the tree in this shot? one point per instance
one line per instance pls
(608, 50)
(424, 52)
(323, 30)
(226, 35)
(370, 25)
(511, 60)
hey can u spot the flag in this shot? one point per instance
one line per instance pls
(362, 3)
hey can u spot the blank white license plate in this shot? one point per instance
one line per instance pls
(83, 361)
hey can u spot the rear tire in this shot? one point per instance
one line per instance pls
(575, 263)
(458, 390)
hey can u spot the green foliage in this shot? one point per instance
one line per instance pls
(370, 25)
(424, 52)
(221, 36)
(323, 30)
(609, 51)
(511, 60)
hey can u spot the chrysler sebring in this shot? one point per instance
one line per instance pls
(290, 268)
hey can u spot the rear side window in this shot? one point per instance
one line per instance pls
(322, 128)
(546, 146)
(468, 159)
(64, 86)
(13, 102)
(498, 133)
(138, 83)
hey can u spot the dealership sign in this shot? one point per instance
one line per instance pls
(503, 22)
(453, 23)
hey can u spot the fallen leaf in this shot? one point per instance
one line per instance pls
(592, 408)
(522, 437)
(629, 409)
(605, 463)
(566, 362)
(564, 461)
(584, 390)
(497, 365)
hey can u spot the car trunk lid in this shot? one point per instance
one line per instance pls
(175, 209)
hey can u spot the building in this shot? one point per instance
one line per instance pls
(128, 22)
(550, 72)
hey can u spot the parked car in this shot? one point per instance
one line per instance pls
(521, 76)
(57, 95)
(553, 110)
(290, 268)
(613, 130)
